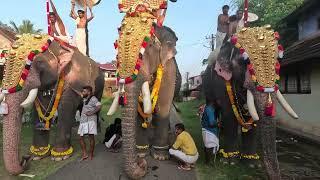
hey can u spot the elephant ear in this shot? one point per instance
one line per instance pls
(64, 56)
(223, 72)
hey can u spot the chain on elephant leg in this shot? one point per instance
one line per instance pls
(142, 150)
(39, 153)
(57, 155)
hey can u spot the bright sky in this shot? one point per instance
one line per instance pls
(192, 20)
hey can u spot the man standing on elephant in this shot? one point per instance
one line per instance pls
(223, 26)
(236, 22)
(82, 28)
(88, 120)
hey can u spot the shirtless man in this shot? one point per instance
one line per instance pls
(81, 31)
(57, 27)
(223, 26)
(236, 23)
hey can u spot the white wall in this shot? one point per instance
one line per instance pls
(307, 106)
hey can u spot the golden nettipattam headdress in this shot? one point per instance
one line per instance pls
(131, 5)
(19, 58)
(259, 47)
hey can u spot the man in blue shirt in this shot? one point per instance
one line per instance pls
(210, 129)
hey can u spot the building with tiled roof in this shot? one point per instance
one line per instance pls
(109, 70)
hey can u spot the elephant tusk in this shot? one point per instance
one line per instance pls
(147, 107)
(30, 99)
(286, 105)
(114, 106)
(251, 107)
(2, 97)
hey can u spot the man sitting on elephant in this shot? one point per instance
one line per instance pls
(184, 148)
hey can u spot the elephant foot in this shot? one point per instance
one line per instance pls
(39, 153)
(252, 161)
(160, 154)
(60, 158)
(61, 155)
(142, 151)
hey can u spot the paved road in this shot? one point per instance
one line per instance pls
(107, 166)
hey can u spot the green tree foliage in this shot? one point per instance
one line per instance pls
(269, 11)
(26, 27)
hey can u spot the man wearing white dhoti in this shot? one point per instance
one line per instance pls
(57, 28)
(210, 130)
(88, 120)
(82, 20)
(223, 26)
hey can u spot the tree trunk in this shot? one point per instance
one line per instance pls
(134, 169)
(11, 134)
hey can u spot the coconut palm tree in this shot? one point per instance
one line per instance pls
(26, 27)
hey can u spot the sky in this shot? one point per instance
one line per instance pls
(192, 20)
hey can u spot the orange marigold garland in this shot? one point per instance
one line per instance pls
(238, 116)
(54, 108)
(154, 96)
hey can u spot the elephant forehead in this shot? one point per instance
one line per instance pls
(261, 46)
(135, 34)
(17, 58)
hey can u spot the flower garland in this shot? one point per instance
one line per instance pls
(245, 56)
(234, 107)
(40, 151)
(154, 96)
(65, 153)
(55, 104)
(25, 71)
(251, 156)
(229, 154)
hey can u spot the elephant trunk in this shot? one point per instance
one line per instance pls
(134, 168)
(11, 134)
(267, 136)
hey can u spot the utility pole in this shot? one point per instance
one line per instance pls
(187, 84)
(212, 40)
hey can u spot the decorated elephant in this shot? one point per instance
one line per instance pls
(244, 80)
(146, 52)
(160, 52)
(52, 68)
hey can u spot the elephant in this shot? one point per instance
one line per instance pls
(49, 62)
(160, 50)
(247, 64)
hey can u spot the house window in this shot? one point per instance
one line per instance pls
(198, 82)
(304, 82)
(295, 83)
(292, 83)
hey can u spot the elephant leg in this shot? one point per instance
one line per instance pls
(161, 119)
(143, 136)
(40, 144)
(66, 115)
(230, 149)
(249, 148)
